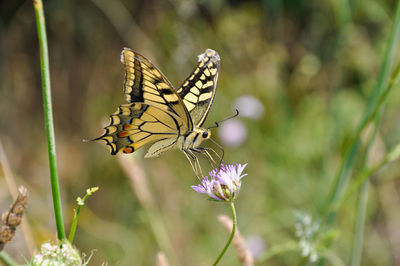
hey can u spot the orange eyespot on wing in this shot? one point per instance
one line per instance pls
(128, 150)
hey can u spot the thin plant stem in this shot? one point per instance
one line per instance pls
(359, 224)
(12, 187)
(361, 178)
(375, 105)
(48, 116)
(74, 225)
(361, 182)
(377, 100)
(123, 21)
(234, 218)
(278, 249)
(362, 200)
(154, 219)
(81, 202)
(7, 260)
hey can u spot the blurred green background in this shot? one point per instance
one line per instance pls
(309, 66)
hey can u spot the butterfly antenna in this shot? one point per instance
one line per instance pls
(217, 123)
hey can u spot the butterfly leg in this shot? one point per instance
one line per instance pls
(221, 157)
(194, 162)
(204, 151)
(197, 163)
(222, 150)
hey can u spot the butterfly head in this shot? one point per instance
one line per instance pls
(206, 134)
(195, 138)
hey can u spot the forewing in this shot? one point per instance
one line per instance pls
(198, 90)
(144, 83)
(137, 124)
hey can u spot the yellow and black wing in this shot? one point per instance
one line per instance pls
(198, 90)
(155, 112)
(137, 124)
(144, 83)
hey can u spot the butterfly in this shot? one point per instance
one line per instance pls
(159, 114)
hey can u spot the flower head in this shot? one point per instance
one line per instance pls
(232, 133)
(249, 106)
(222, 184)
(307, 231)
(57, 254)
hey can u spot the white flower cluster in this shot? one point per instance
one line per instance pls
(57, 255)
(306, 231)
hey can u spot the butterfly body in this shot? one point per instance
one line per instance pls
(157, 113)
(193, 139)
(190, 141)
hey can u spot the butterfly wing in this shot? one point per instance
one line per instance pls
(137, 124)
(198, 90)
(144, 83)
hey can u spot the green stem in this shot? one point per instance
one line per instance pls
(359, 225)
(74, 224)
(8, 261)
(377, 100)
(361, 178)
(373, 110)
(362, 200)
(231, 236)
(278, 249)
(393, 155)
(48, 116)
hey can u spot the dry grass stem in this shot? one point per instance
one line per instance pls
(8, 175)
(13, 217)
(138, 178)
(12, 187)
(245, 257)
(161, 259)
(120, 17)
(388, 199)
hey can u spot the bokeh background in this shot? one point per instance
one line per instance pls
(300, 72)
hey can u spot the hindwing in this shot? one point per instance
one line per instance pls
(137, 124)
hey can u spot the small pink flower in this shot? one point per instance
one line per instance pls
(222, 184)
(249, 106)
(232, 133)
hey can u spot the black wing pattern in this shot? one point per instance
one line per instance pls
(198, 90)
(157, 113)
(144, 83)
(137, 124)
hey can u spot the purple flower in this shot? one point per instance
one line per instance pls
(249, 106)
(232, 133)
(222, 184)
